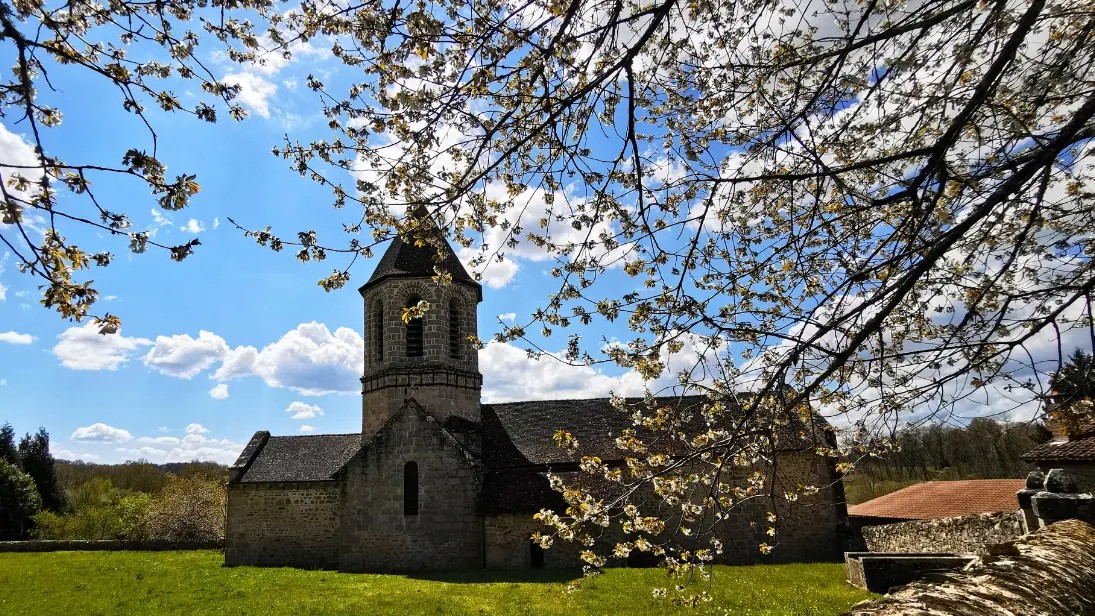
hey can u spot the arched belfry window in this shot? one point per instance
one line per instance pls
(378, 331)
(410, 488)
(454, 329)
(414, 332)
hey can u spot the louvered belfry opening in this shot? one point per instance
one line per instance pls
(378, 331)
(414, 332)
(454, 330)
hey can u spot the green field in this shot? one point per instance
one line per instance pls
(196, 583)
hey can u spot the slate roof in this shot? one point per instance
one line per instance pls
(517, 449)
(520, 434)
(1075, 450)
(403, 260)
(933, 500)
(296, 458)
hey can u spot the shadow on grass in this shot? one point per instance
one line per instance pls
(524, 576)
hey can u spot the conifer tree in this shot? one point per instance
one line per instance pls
(8, 451)
(38, 462)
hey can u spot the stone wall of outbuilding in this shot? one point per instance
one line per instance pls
(971, 534)
(282, 524)
(376, 535)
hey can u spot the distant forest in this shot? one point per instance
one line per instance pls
(985, 449)
(140, 476)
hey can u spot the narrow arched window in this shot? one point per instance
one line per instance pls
(454, 330)
(378, 331)
(414, 332)
(410, 488)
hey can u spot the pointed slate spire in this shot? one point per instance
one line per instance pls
(403, 260)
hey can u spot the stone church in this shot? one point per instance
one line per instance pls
(438, 480)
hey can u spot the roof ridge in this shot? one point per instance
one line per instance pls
(315, 435)
(589, 399)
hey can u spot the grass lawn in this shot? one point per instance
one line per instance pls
(196, 583)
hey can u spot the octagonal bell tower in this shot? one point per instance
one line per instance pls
(430, 358)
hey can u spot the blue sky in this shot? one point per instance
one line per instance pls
(236, 338)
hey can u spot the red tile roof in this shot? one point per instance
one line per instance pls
(932, 500)
(1080, 449)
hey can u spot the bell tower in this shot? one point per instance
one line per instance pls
(429, 359)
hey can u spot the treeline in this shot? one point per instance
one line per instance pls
(985, 449)
(43, 498)
(139, 476)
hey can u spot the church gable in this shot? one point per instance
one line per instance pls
(408, 499)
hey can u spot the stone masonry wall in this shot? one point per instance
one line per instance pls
(506, 540)
(806, 529)
(282, 524)
(961, 535)
(376, 535)
(1084, 474)
(444, 384)
(107, 545)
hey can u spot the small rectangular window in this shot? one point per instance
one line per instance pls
(410, 488)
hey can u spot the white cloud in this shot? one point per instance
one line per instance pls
(159, 221)
(494, 273)
(159, 440)
(238, 363)
(306, 428)
(254, 91)
(84, 348)
(510, 374)
(301, 410)
(194, 446)
(508, 316)
(64, 454)
(309, 360)
(290, 84)
(163, 429)
(15, 150)
(182, 356)
(102, 433)
(270, 63)
(143, 452)
(16, 338)
(220, 392)
(192, 226)
(216, 222)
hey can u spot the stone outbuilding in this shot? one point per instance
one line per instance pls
(437, 480)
